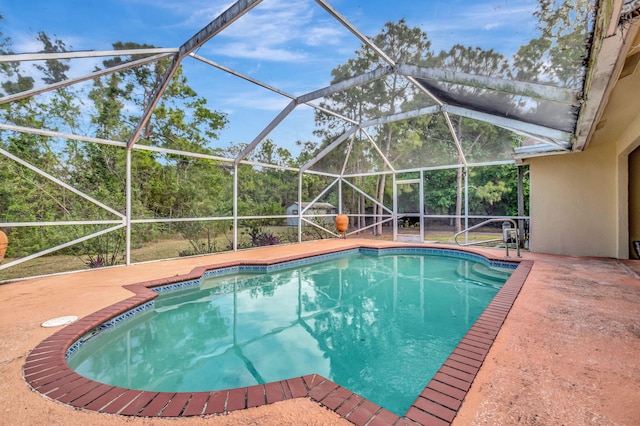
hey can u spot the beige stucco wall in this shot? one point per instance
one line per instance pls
(588, 203)
(574, 203)
(634, 199)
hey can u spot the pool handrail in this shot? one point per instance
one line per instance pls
(505, 238)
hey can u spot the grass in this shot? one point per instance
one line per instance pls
(171, 248)
(42, 266)
(52, 264)
(163, 249)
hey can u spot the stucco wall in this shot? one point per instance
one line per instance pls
(588, 203)
(574, 203)
(634, 199)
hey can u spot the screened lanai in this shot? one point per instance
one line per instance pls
(221, 124)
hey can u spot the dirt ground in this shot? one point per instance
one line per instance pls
(568, 353)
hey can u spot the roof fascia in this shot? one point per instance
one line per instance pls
(612, 41)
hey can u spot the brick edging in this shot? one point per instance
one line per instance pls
(46, 370)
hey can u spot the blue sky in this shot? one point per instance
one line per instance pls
(289, 44)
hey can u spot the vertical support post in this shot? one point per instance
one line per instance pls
(422, 206)
(520, 202)
(395, 208)
(466, 204)
(299, 206)
(128, 208)
(340, 196)
(235, 207)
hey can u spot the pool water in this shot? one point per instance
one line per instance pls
(380, 326)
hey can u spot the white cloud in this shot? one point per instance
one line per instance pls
(318, 36)
(501, 26)
(244, 100)
(278, 30)
(27, 42)
(480, 15)
(263, 53)
(491, 26)
(188, 13)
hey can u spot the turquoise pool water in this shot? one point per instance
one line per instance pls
(380, 326)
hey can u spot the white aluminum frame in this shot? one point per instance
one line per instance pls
(557, 140)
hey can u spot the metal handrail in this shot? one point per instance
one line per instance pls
(505, 240)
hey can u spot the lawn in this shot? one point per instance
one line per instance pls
(171, 248)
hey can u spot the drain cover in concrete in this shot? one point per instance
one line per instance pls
(57, 322)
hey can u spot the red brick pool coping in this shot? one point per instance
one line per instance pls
(47, 372)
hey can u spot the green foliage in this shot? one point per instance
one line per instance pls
(203, 236)
(440, 191)
(494, 191)
(261, 238)
(163, 185)
(54, 70)
(170, 186)
(104, 250)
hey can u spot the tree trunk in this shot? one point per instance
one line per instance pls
(383, 180)
(362, 220)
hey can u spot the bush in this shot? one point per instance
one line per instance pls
(260, 238)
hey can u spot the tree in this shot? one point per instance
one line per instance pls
(13, 79)
(26, 195)
(380, 97)
(164, 185)
(403, 45)
(476, 138)
(54, 70)
(181, 121)
(564, 26)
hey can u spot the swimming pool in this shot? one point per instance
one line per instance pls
(378, 324)
(50, 375)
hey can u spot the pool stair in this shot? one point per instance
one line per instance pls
(481, 272)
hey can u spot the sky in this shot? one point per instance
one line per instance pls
(289, 44)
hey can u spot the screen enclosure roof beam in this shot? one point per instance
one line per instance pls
(218, 24)
(356, 81)
(329, 148)
(263, 134)
(509, 123)
(512, 87)
(266, 86)
(91, 76)
(22, 57)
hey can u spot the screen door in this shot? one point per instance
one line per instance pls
(408, 202)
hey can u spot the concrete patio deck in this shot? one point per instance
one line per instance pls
(567, 353)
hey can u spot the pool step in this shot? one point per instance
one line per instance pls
(481, 272)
